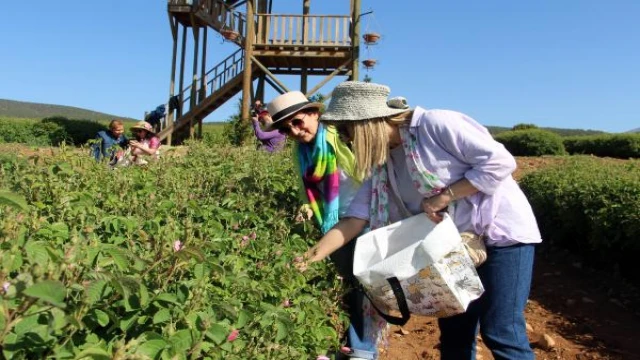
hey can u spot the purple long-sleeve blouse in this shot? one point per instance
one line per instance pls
(270, 140)
(453, 146)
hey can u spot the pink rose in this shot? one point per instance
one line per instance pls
(177, 245)
(286, 303)
(253, 235)
(5, 286)
(233, 335)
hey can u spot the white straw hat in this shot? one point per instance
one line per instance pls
(357, 100)
(288, 104)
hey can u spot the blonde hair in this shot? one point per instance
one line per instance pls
(370, 140)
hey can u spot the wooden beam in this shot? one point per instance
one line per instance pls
(274, 85)
(331, 76)
(269, 74)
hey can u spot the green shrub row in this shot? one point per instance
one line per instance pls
(591, 206)
(528, 141)
(531, 142)
(187, 258)
(49, 131)
(622, 146)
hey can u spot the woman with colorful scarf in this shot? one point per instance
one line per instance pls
(431, 160)
(327, 171)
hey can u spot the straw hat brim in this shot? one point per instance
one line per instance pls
(290, 111)
(360, 114)
(136, 127)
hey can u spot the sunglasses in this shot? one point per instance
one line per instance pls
(298, 122)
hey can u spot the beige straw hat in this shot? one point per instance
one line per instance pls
(143, 125)
(357, 100)
(287, 104)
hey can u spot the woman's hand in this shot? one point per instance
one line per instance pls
(435, 205)
(134, 144)
(301, 263)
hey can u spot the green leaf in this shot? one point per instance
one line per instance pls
(94, 353)
(49, 291)
(167, 297)
(199, 271)
(102, 318)
(187, 253)
(13, 200)
(95, 291)
(151, 348)
(37, 252)
(217, 333)
(162, 316)
(119, 257)
(243, 318)
(282, 331)
(144, 295)
(182, 340)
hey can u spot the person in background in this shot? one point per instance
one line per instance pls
(110, 143)
(439, 158)
(144, 144)
(326, 169)
(270, 141)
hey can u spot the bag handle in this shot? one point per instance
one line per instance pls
(402, 304)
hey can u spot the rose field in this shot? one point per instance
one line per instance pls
(191, 257)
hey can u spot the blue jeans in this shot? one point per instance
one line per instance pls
(361, 345)
(506, 277)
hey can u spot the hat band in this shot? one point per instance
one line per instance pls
(288, 110)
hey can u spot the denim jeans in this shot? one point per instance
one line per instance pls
(506, 276)
(361, 344)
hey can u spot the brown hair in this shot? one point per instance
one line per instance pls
(114, 123)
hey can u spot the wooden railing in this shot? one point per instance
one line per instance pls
(182, 2)
(215, 79)
(221, 16)
(324, 30)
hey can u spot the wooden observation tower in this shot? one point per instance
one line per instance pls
(268, 45)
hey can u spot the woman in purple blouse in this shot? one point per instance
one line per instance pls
(437, 158)
(270, 141)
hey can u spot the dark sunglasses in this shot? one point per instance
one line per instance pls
(286, 130)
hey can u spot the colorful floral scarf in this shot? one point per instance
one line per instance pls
(426, 183)
(318, 164)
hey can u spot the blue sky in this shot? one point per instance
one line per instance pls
(569, 63)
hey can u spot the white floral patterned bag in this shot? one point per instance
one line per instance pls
(416, 266)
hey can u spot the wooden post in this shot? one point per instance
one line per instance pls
(182, 61)
(248, 55)
(172, 86)
(194, 81)
(355, 40)
(203, 66)
(303, 76)
(306, 7)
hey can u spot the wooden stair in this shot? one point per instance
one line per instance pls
(225, 82)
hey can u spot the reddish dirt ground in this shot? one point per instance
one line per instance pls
(588, 314)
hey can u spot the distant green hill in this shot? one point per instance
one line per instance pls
(22, 109)
(494, 130)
